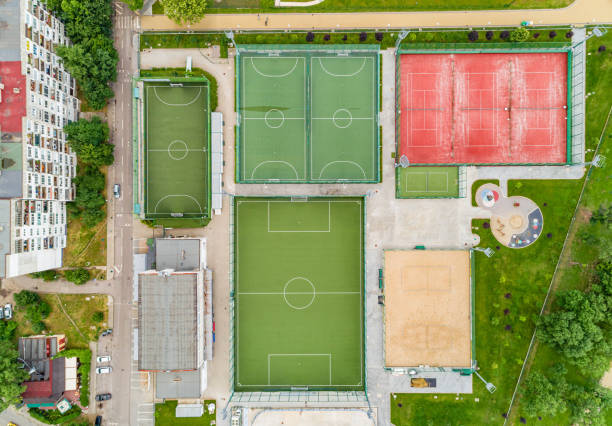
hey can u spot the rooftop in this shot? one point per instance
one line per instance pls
(167, 316)
(10, 33)
(179, 254)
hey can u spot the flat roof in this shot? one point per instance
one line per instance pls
(177, 384)
(427, 308)
(180, 254)
(10, 30)
(167, 321)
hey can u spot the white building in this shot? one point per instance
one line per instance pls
(37, 98)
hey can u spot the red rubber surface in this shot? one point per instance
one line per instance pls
(13, 105)
(483, 108)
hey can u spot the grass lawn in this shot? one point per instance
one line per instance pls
(164, 415)
(80, 310)
(515, 280)
(477, 184)
(85, 246)
(577, 267)
(250, 6)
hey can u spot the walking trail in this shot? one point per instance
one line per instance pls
(581, 12)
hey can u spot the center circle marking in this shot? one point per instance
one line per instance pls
(285, 292)
(172, 147)
(342, 115)
(272, 116)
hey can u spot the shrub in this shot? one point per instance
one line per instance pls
(412, 37)
(429, 36)
(569, 34)
(326, 37)
(97, 316)
(53, 417)
(489, 35)
(519, 34)
(310, 37)
(344, 37)
(25, 298)
(504, 35)
(536, 35)
(363, 36)
(78, 276)
(552, 34)
(38, 327)
(601, 48)
(379, 36)
(473, 35)
(48, 275)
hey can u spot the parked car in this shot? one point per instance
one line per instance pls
(103, 397)
(117, 190)
(99, 421)
(8, 311)
(104, 370)
(103, 358)
(107, 332)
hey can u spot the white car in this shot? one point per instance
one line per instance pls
(8, 311)
(103, 358)
(103, 370)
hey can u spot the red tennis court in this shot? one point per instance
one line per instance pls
(484, 108)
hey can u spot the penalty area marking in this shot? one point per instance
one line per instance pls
(197, 96)
(285, 355)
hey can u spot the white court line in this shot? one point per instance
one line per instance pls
(299, 292)
(281, 355)
(411, 126)
(427, 174)
(292, 231)
(181, 104)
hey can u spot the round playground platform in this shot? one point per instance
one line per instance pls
(516, 221)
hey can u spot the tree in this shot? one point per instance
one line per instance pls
(309, 36)
(25, 298)
(543, 396)
(184, 11)
(588, 404)
(97, 316)
(78, 276)
(85, 19)
(504, 34)
(134, 4)
(48, 275)
(7, 330)
(11, 375)
(489, 35)
(573, 329)
(473, 35)
(519, 34)
(552, 34)
(88, 139)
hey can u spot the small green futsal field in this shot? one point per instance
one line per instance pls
(176, 143)
(308, 116)
(299, 294)
(427, 182)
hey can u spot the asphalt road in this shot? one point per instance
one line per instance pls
(119, 411)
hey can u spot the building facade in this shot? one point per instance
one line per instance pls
(37, 98)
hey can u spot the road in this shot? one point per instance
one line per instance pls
(119, 410)
(580, 12)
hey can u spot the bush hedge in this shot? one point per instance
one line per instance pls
(54, 417)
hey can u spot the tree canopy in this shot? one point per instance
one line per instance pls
(184, 11)
(11, 375)
(543, 396)
(88, 139)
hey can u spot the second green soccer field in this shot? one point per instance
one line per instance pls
(299, 294)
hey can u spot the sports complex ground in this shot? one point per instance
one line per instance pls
(176, 144)
(308, 115)
(299, 299)
(484, 108)
(427, 182)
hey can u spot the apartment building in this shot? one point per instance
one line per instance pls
(37, 98)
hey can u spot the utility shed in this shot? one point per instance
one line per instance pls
(169, 324)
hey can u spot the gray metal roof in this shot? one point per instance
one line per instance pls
(167, 330)
(177, 253)
(177, 384)
(10, 30)
(5, 234)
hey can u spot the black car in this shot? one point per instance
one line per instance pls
(98, 420)
(107, 332)
(103, 397)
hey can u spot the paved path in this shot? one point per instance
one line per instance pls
(580, 12)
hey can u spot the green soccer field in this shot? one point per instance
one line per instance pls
(427, 182)
(176, 150)
(299, 294)
(308, 116)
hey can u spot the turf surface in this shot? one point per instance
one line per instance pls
(176, 143)
(299, 298)
(427, 182)
(308, 116)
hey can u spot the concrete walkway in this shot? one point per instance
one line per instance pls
(581, 12)
(24, 282)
